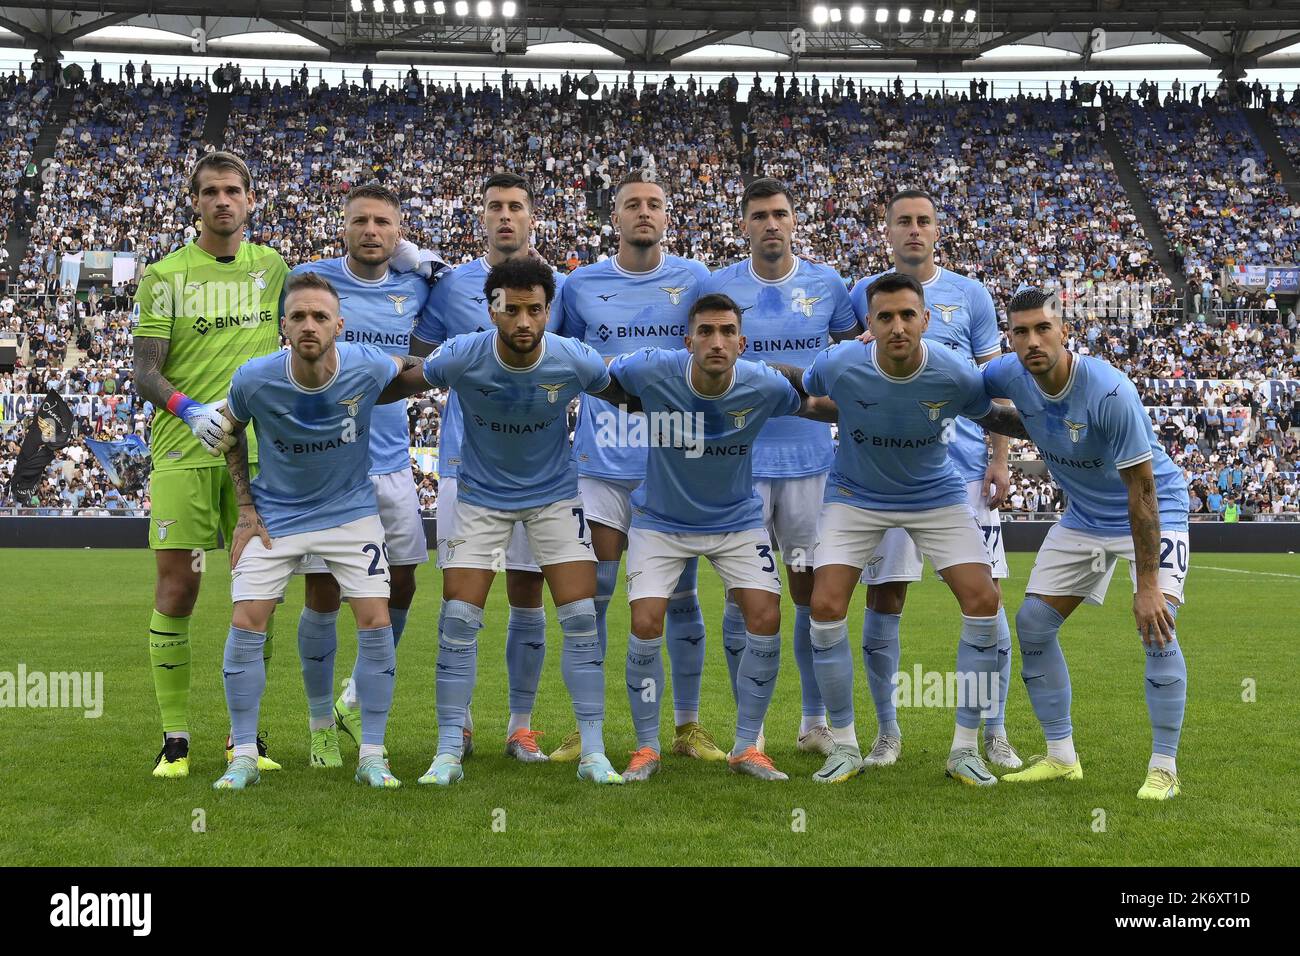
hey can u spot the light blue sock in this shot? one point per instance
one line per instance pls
(397, 616)
(810, 693)
(1042, 666)
(995, 726)
(376, 674)
(977, 668)
(684, 636)
(733, 640)
(318, 641)
(525, 652)
(833, 665)
(457, 670)
(244, 673)
(880, 654)
(1166, 686)
(606, 580)
(582, 664)
(755, 681)
(645, 682)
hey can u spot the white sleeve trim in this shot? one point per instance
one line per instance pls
(1145, 456)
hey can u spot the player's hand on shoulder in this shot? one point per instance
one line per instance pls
(408, 257)
(211, 427)
(866, 338)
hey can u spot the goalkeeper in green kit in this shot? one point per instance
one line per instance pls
(205, 310)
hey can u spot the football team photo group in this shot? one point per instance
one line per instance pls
(805, 437)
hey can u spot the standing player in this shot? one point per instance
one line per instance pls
(640, 297)
(793, 309)
(513, 385)
(698, 500)
(964, 321)
(379, 307)
(897, 399)
(457, 305)
(313, 496)
(205, 309)
(1127, 499)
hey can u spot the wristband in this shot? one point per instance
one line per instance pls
(180, 404)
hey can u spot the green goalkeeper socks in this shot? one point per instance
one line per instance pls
(169, 657)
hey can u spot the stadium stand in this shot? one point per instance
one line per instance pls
(1026, 186)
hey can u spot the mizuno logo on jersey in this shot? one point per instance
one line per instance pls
(865, 405)
(259, 278)
(1076, 430)
(805, 303)
(552, 392)
(353, 404)
(605, 297)
(946, 311)
(674, 293)
(933, 409)
(738, 417)
(398, 301)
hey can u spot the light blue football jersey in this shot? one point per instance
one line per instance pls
(615, 312)
(314, 444)
(894, 432)
(1095, 427)
(963, 319)
(380, 313)
(705, 484)
(458, 306)
(790, 321)
(515, 450)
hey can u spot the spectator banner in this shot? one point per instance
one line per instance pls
(1276, 389)
(50, 429)
(1283, 280)
(70, 270)
(425, 459)
(124, 268)
(1251, 277)
(126, 462)
(15, 406)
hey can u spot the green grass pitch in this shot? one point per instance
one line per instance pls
(78, 791)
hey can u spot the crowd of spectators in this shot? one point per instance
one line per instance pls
(1026, 190)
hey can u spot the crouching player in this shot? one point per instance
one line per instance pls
(698, 500)
(312, 405)
(898, 399)
(513, 384)
(1127, 499)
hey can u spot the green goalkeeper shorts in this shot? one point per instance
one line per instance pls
(190, 506)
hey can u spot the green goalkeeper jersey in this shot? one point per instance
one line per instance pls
(217, 316)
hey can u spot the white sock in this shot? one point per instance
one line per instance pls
(350, 693)
(369, 750)
(965, 738)
(246, 750)
(686, 717)
(1163, 762)
(1062, 750)
(845, 735)
(808, 723)
(321, 723)
(518, 722)
(182, 734)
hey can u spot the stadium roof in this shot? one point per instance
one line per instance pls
(843, 36)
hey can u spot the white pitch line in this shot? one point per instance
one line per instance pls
(1271, 574)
